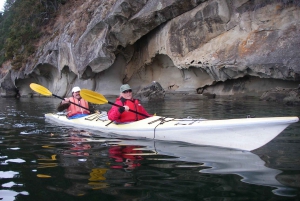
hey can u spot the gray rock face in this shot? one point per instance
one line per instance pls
(227, 47)
(152, 92)
(286, 96)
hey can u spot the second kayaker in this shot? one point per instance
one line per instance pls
(74, 111)
(122, 114)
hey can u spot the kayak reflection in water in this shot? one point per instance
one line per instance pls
(74, 111)
(128, 155)
(122, 114)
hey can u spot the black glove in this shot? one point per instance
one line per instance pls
(121, 109)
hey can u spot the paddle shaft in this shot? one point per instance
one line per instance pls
(129, 109)
(71, 102)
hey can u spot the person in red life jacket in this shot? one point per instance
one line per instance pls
(122, 114)
(74, 111)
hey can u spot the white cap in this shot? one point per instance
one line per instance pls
(75, 89)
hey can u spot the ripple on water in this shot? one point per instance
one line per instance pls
(23, 125)
(17, 160)
(11, 184)
(10, 194)
(14, 148)
(8, 174)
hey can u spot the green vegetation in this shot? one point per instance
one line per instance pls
(20, 26)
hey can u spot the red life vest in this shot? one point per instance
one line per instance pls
(74, 109)
(130, 116)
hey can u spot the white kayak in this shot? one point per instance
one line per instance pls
(243, 134)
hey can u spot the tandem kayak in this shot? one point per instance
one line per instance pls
(243, 134)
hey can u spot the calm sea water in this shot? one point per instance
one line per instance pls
(44, 161)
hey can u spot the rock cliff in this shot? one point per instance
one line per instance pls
(222, 47)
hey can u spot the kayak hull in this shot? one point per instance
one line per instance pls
(243, 134)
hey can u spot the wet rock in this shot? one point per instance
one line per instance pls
(209, 95)
(154, 91)
(201, 90)
(183, 95)
(284, 95)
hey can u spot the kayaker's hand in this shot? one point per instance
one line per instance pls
(66, 100)
(126, 107)
(122, 109)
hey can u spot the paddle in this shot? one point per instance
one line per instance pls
(96, 98)
(44, 91)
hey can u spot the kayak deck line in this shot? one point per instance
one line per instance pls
(96, 117)
(162, 120)
(178, 121)
(243, 134)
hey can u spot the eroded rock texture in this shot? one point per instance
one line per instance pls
(220, 47)
(287, 96)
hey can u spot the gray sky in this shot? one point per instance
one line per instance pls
(2, 2)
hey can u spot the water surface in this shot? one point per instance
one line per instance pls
(44, 161)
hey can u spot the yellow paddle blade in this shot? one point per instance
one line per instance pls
(40, 89)
(43, 176)
(93, 97)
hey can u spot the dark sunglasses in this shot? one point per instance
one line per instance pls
(127, 91)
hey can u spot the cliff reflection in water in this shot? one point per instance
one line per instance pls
(163, 169)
